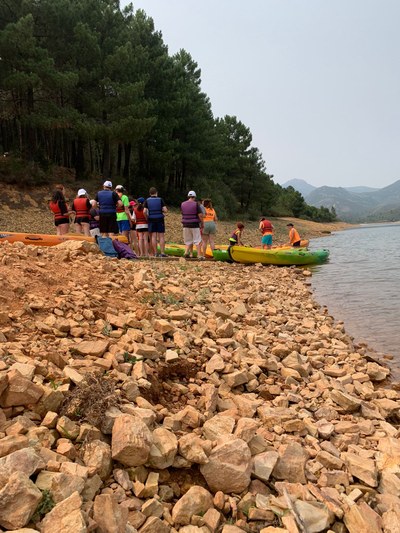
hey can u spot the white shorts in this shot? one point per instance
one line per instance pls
(191, 236)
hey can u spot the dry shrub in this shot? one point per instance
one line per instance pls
(89, 400)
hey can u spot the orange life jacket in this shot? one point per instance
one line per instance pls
(210, 215)
(294, 236)
(55, 208)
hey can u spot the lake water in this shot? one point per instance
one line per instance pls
(361, 284)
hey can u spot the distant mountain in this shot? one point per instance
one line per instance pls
(361, 188)
(300, 185)
(370, 206)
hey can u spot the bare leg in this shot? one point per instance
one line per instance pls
(63, 229)
(86, 229)
(161, 237)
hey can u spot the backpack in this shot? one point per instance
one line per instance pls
(106, 246)
(123, 250)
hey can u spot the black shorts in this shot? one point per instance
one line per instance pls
(108, 223)
(142, 230)
(82, 220)
(59, 221)
(297, 243)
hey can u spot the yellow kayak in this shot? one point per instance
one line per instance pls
(278, 256)
(45, 239)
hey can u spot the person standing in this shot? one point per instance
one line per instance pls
(267, 230)
(155, 210)
(192, 218)
(81, 206)
(142, 227)
(94, 219)
(294, 237)
(59, 208)
(209, 225)
(108, 200)
(124, 217)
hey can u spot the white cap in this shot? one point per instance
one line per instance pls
(82, 192)
(191, 194)
(107, 184)
(119, 187)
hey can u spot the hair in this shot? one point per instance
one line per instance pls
(207, 203)
(240, 225)
(152, 191)
(139, 205)
(59, 187)
(57, 196)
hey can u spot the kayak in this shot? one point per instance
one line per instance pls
(278, 256)
(221, 255)
(178, 250)
(44, 239)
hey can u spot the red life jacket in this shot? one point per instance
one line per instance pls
(140, 216)
(80, 206)
(55, 208)
(266, 226)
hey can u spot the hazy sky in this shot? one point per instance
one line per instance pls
(316, 81)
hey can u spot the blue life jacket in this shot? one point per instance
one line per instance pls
(154, 205)
(106, 200)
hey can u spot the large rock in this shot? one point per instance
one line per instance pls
(196, 501)
(20, 391)
(131, 441)
(27, 461)
(229, 466)
(361, 517)
(217, 426)
(263, 464)
(59, 484)
(315, 516)
(291, 464)
(18, 501)
(96, 348)
(163, 450)
(97, 456)
(109, 515)
(362, 468)
(65, 517)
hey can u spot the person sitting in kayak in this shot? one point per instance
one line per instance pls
(236, 237)
(267, 230)
(294, 237)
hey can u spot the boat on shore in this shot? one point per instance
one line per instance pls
(278, 256)
(46, 239)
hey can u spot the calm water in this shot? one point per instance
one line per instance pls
(361, 284)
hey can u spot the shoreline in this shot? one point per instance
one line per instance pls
(235, 402)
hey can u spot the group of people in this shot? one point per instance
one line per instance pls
(111, 212)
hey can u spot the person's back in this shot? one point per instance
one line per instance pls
(267, 230)
(294, 237)
(108, 201)
(155, 210)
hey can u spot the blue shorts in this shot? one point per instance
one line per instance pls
(266, 239)
(156, 226)
(123, 225)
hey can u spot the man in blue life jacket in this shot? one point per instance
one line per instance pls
(108, 201)
(155, 210)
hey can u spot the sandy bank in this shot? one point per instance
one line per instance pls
(220, 398)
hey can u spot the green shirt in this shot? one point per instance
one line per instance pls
(125, 202)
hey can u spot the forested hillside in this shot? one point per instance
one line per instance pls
(90, 87)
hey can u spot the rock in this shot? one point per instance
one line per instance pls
(197, 501)
(229, 466)
(163, 449)
(314, 515)
(347, 402)
(362, 468)
(27, 461)
(191, 447)
(131, 441)
(20, 391)
(59, 484)
(18, 501)
(12, 443)
(217, 426)
(291, 464)
(154, 525)
(96, 348)
(263, 465)
(65, 517)
(360, 517)
(96, 455)
(109, 516)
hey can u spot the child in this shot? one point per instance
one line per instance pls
(294, 237)
(236, 237)
(267, 230)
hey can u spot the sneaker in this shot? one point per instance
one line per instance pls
(186, 256)
(201, 258)
(162, 255)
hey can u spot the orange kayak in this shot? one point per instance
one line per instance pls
(44, 239)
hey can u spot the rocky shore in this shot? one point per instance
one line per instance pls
(172, 396)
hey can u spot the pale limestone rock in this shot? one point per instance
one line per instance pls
(131, 441)
(360, 517)
(346, 401)
(215, 364)
(217, 426)
(152, 507)
(236, 378)
(192, 448)
(246, 428)
(96, 348)
(155, 525)
(109, 516)
(362, 468)
(67, 428)
(12, 443)
(196, 501)
(59, 484)
(229, 466)
(27, 371)
(18, 501)
(315, 515)
(146, 351)
(291, 464)
(65, 517)
(263, 465)
(163, 449)
(20, 391)
(391, 521)
(212, 519)
(27, 461)
(97, 457)
(189, 416)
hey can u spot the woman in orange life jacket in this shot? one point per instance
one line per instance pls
(59, 208)
(209, 226)
(294, 237)
(267, 230)
(82, 206)
(142, 227)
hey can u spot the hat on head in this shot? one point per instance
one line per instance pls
(132, 202)
(290, 224)
(141, 200)
(119, 188)
(82, 192)
(191, 194)
(107, 184)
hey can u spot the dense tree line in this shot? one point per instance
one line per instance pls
(90, 87)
